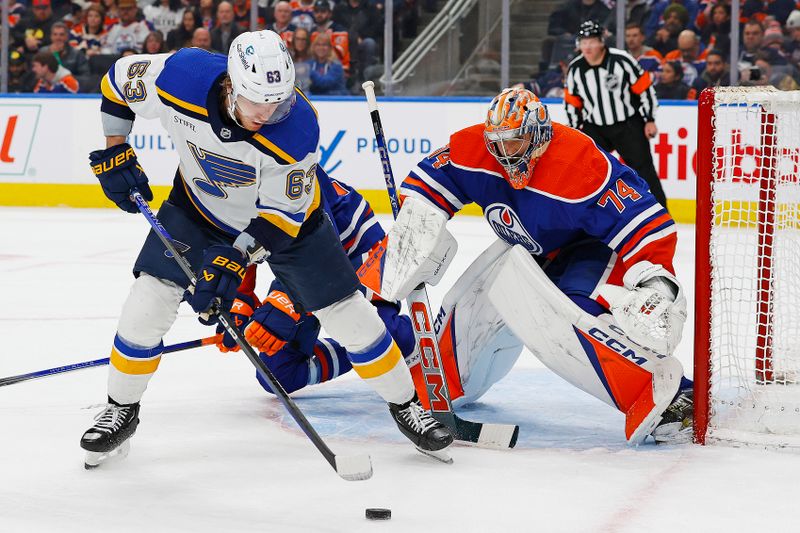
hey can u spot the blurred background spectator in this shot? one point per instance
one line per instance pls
(793, 41)
(154, 43)
(88, 36)
(326, 73)
(283, 20)
(303, 14)
(182, 35)
(20, 79)
(665, 38)
(208, 13)
(365, 31)
(129, 33)
(649, 58)
(301, 46)
(33, 30)
(716, 33)
(226, 29)
(164, 15)
(340, 39)
(301, 54)
(50, 76)
(671, 85)
(70, 58)
(202, 39)
(716, 73)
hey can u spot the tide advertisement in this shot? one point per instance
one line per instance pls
(47, 141)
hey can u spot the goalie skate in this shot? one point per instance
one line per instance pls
(110, 436)
(676, 424)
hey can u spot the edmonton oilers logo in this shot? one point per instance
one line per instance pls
(506, 224)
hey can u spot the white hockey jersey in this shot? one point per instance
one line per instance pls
(230, 175)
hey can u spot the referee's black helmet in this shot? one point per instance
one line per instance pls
(590, 28)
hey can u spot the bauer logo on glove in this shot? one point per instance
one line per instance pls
(116, 161)
(119, 173)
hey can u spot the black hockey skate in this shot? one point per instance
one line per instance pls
(677, 421)
(428, 434)
(110, 436)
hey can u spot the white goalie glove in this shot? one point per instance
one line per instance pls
(650, 308)
(419, 249)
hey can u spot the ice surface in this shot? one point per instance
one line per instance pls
(215, 453)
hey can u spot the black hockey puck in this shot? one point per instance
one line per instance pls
(378, 514)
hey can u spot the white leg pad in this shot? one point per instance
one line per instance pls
(485, 348)
(555, 330)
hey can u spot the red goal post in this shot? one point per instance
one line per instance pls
(747, 286)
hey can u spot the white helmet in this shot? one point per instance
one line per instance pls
(261, 70)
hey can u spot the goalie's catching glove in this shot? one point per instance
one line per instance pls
(119, 172)
(273, 324)
(650, 308)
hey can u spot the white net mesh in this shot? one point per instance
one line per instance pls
(755, 268)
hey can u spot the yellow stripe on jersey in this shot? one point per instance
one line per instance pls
(314, 109)
(292, 228)
(108, 91)
(289, 228)
(272, 147)
(181, 103)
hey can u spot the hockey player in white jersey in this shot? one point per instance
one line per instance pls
(245, 190)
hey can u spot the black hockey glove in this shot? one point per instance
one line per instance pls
(219, 277)
(119, 171)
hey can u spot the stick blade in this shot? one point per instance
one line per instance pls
(498, 436)
(354, 467)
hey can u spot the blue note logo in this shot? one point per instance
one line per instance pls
(507, 225)
(220, 171)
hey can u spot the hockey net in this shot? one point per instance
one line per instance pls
(747, 329)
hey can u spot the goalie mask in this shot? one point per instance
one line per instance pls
(262, 77)
(517, 133)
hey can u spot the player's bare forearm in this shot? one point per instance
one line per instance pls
(114, 140)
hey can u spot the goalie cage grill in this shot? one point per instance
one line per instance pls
(747, 299)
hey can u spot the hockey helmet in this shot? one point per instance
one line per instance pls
(517, 132)
(589, 29)
(262, 73)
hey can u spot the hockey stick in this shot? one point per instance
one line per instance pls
(104, 361)
(351, 468)
(488, 435)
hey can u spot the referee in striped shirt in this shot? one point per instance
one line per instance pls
(611, 99)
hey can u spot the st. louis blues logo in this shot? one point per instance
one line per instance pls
(506, 224)
(220, 171)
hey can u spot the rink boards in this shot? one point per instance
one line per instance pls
(45, 142)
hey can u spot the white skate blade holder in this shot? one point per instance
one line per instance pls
(354, 467)
(95, 459)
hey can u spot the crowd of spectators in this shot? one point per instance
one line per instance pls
(683, 44)
(66, 46)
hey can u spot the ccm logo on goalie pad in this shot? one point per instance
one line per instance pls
(507, 225)
(428, 357)
(617, 346)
